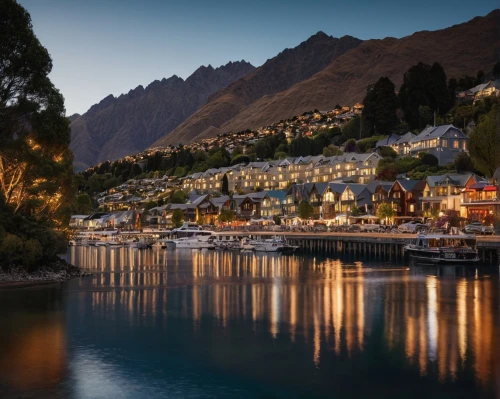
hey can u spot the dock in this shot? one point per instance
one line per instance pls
(384, 246)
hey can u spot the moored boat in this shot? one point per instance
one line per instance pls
(444, 248)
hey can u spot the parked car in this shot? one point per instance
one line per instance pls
(412, 227)
(370, 227)
(478, 228)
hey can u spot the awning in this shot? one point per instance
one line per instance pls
(491, 188)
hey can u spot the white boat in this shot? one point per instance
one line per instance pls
(274, 244)
(201, 242)
(444, 248)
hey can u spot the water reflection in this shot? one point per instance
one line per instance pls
(445, 321)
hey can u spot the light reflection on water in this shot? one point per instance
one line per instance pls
(219, 324)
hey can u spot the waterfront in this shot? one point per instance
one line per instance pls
(188, 323)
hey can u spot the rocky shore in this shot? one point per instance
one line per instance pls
(56, 272)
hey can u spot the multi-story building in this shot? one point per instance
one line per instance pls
(444, 142)
(442, 193)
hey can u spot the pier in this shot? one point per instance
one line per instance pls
(381, 246)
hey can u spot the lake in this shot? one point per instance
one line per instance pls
(209, 324)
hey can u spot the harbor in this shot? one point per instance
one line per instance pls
(384, 246)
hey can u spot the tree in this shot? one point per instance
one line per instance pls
(350, 145)
(225, 185)
(423, 92)
(496, 70)
(178, 197)
(428, 159)
(387, 152)
(356, 211)
(484, 143)
(380, 105)
(83, 204)
(305, 210)
(385, 211)
(178, 217)
(226, 216)
(331, 151)
(36, 172)
(276, 220)
(463, 163)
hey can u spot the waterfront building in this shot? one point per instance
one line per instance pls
(442, 193)
(405, 196)
(479, 201)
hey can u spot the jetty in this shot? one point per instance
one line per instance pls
(384, 246)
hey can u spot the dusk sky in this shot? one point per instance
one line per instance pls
(102, 47)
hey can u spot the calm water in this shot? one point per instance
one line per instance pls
(189, 324)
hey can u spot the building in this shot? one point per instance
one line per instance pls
(444, 142)
(442, 193)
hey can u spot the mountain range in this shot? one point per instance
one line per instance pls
(119, 126)
(319, 73)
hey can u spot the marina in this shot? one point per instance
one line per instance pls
(387, 246)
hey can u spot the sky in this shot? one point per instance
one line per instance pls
(102, 47)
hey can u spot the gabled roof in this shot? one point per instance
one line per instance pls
(375, 184)
(455, 179)
(431, 132)
(410, 185)
(338, 188)
(404, 139)
(356, 188)
(386, 141)
(321, 187)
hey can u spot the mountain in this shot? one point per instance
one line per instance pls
(73, 117)
(277, 74)
(461, 49)
(128, 124)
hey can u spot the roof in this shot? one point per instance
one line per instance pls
(387, 140)
(280, 194)
(455, 179)
(410, 185)
(356, 188)
(406, 138)
(431, 132)
(375, 184)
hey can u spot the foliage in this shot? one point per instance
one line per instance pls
(379, 112)
(178, 197)
(241, 158)
(352, 129)
(178, 217)
(331, 151)
(305, 210)
(350, 145)
(36, 172)
(83, 205)
(276, 220)
(423, 92)
(367, 144)
(428, 159)
(385, 211)
(226, 216)
(387, 151)
(356, 211)
(463, 163)
(225, 185)
(484, 143)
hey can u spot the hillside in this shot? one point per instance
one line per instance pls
(461, 49)
(280, 73)
(131, 122)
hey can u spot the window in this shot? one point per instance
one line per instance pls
(456, 144)
(412, 208)
(444, 143)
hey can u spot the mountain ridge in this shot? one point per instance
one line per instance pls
(129, 123)
(346, 78)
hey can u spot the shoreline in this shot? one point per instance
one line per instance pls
(58, 273)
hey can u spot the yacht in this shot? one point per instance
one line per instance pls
(444, 248)
(195, 242)
(274, 244)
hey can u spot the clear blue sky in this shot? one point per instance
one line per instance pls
(102, 47)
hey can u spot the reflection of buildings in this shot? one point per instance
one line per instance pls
(443, 325)
(447, 323)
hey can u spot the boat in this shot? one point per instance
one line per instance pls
(274, 244)
(200, 242)
(444, 248)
